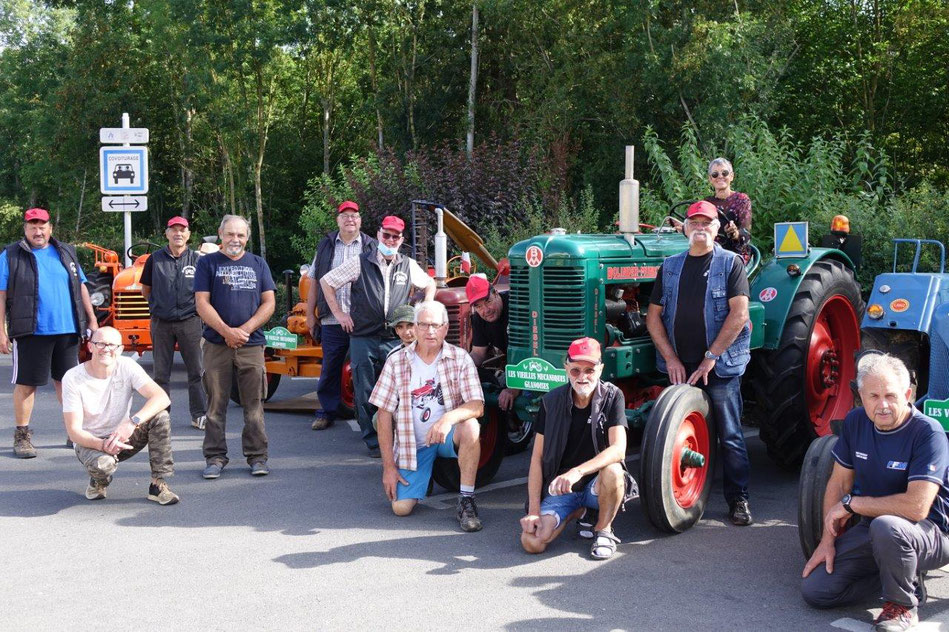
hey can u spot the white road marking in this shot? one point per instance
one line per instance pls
(353, 424)
(852, 625)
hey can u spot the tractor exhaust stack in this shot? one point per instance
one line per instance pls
(629, 201)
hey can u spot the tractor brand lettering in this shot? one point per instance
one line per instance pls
(400, 278)
(861, 455)
(535, 339)
(631, 273)
(768, 294)
(534, 256)
(899, 305)
(896, 465)
(188, 271)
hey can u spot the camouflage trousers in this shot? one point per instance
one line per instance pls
(154, 433)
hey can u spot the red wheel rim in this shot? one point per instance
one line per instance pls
(346, 386)
(688, 482)
(835, 338)
(488, 437)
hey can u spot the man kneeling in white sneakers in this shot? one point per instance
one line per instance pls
(97, 405)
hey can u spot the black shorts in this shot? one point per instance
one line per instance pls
(37, 358)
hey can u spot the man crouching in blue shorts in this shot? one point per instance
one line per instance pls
(432, 389)
(579, 457)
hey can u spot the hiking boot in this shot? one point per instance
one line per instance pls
(740, 513)
(468, 514)
(213, 470)
(22, 443)
(97, 489)
(586, 522)
(374, 453)
(259, 469)
(321, 421)
(161, 494)
(199, 422)
(895, 618)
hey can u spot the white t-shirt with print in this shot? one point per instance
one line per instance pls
(428, 404)
(103, 403)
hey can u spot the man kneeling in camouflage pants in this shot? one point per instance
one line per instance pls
(97, 402)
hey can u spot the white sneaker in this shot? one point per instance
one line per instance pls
(199, 422)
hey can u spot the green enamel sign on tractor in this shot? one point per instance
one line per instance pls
(281, 338)
(535, 374)
(938, 409)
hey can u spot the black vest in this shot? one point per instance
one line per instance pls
(366, 309)
(23, 286)
(172, 295)
(324, 263)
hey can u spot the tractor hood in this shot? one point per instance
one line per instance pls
(602, 247)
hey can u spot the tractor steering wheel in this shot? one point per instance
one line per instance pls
(675, 214)
(149, 246)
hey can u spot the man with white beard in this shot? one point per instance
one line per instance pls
(698, 320)
(578, 464)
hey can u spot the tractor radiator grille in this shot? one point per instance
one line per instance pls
(519, 310)
(130, 306)
(454, 325)
(564, 307)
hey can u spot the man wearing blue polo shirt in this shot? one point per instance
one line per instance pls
(891, 470)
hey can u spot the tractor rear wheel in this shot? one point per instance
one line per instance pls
(347, 400)
(804, 384)
(273, 381)
(677, 459)
(519, 432)
(815, 472)
(493, 440)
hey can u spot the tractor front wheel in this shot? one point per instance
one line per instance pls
(815, 472)
(493, 439)
(273, 381)
(677, 459)
(804, 384)
(347, 394)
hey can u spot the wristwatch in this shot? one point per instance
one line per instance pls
(845, 501)
(135, 420)
(711, 356)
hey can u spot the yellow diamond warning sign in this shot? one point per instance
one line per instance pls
(790, 239)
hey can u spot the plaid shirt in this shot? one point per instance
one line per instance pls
(341, 253)
(457, 376)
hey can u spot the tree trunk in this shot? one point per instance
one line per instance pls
(82, 195)
(473, 81)
(187, 166)
(375, 85)
(327, 111)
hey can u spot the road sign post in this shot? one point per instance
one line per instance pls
(123, 171)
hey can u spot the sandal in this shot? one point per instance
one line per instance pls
(604, 545)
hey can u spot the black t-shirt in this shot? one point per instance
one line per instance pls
(494, 334)
(690, 312)
(580, 447)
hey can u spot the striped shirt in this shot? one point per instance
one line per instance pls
(342, 252)
(457, 376)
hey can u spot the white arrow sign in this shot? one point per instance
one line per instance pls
(125, 203)
(119, 135)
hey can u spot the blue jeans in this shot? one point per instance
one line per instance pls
(725, 394)
(366, 355)
(335, 346)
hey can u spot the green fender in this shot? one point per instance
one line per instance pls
(774, 288)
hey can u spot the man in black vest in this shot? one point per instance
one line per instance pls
(168, 284)
(338, 247)
(577, 467)
(381, 281)
(42, 291)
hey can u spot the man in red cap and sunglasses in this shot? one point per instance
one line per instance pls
(168, 285)
(381, 281)
(578, 467)
(43, 293)
(335, 249)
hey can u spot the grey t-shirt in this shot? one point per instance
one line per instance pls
(103, 403)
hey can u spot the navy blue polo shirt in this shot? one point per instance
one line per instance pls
(885, 462)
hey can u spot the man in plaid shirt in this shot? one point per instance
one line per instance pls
(432, 389)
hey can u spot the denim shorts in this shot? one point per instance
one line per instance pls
(563, 505)
(424, 461)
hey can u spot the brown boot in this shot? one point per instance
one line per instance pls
(22, 446)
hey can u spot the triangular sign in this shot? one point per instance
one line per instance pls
(791, 242)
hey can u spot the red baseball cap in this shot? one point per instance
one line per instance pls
(477, 287)
(703, 208)
(36, 214)
(177, 220)
(348, 205)
(584, 350)
(393, 223)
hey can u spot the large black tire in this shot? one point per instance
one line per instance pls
(905, 345)
(674, 495)
(101, 282)
(804, 384)
(347, 403)
(520, 433)
(815, 472)
(273, 381)
(493, 441)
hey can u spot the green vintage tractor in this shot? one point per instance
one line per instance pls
(805, 312)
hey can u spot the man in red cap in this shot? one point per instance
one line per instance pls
(489, 315)
(698, 320)
(335, 249)
(168, 285)
(43, 293)
(381, 281)
(578, 467)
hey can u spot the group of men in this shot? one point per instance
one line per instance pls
(421, 399)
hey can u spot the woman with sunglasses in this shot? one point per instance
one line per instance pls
(735, 206)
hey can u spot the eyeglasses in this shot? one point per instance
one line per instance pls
(390, 236)
(724, 173)
(349, 215)
(429, 325)
(105, 346)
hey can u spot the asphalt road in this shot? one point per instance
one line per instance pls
(315, 546)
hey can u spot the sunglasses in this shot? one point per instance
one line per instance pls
(390, 236)
(724, 173)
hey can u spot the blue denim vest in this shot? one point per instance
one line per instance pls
(736, 357)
